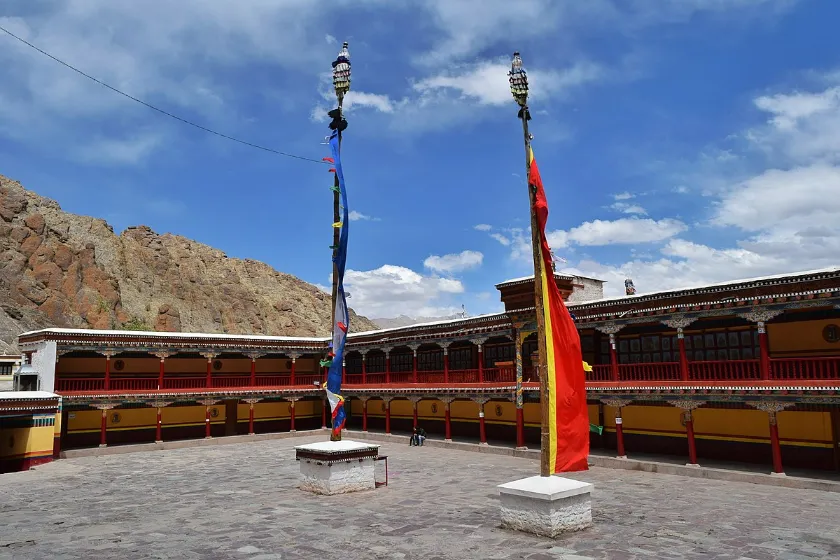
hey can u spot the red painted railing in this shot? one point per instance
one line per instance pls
(433, 377)
(724, 370)
(401, 377)
(599, 373)
(781, 369)
(665, 371)
(805, 368)
(463, 376)
(376, 378)
(229, 381)
(133, 384)
(80, 384)
(184, 382)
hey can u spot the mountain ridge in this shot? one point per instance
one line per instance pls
(65, 270)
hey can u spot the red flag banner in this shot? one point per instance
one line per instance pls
(568, 416)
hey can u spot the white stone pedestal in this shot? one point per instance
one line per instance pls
(337, 467)
(546, 506)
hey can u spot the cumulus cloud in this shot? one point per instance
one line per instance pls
(628, 208)
(390, 291)
(483, 227)
(454, 262)
(612, 232)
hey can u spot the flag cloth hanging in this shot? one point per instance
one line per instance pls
(342, 315)
(568, 416)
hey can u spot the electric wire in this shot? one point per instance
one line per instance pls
(154, 108)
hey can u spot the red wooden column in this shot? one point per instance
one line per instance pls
(479, 342)
(764, 351)
(388, 365)
(414, 402)
(482, 431)
(364, 366)
(207, 404)
(760, 318)
(254, 356)
(414, 348)
(209, 381)
(618, 404)
(103, 426)
(387, 401)
(446, 362)
(772, 409)
(162, 356)
(159, 406)
(292, 370)
(447, 420)
(323, 413)
(688, 406)
(613, 358)
(292, 414)
(364, 413)
(683, 357)
(250, 418)
(108, 355)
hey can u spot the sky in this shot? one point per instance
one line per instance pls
(681, 142)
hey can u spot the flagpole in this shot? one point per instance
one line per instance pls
(519, 89)
(341, 84)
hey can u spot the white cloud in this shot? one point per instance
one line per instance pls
(802, 127)
(454, 262)
(390, 291)
(622, 231)
(501, 239)
(680, 189)
(487, 82)
(483, 227)
(330, 39)
(628, 208)
(623, 196)
(356, 216)
(114, 151)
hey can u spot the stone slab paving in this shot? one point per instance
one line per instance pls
(241, 501)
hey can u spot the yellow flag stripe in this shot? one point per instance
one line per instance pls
(551, 397)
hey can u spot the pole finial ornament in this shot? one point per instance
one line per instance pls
(518, 79)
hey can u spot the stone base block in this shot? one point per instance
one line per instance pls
(337, 467)
(546, 506)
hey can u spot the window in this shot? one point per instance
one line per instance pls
(402, 362)
(430, 360)
(498, 353)
(460, 358)
(375, 363)
(734, 344)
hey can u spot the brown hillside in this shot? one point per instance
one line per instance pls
(59, 269)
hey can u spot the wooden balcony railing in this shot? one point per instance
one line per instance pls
(600, 373)
(724, 370)
(805, 368)
(780, 369)
(665, 371)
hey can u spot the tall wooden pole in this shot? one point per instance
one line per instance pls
(336, 231)
(545, 436)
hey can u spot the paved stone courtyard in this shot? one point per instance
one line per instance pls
(241, 501)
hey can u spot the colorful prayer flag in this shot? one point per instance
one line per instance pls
(342, 315)
(568, 416)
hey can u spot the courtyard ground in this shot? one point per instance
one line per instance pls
(241, 501)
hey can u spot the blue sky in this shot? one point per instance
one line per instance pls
(681, 141)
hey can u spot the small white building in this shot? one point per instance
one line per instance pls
(9, 364)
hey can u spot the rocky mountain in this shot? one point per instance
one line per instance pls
(60, 269)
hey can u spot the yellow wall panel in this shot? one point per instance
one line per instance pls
(83, 420)
(507, 409)
(593, 413)
(464, 410)
(745, 423)
(26, 442)
(531, 412)
(424, 409)
(804, 426)
(132, 418)
(652, 418)
(801, 336)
